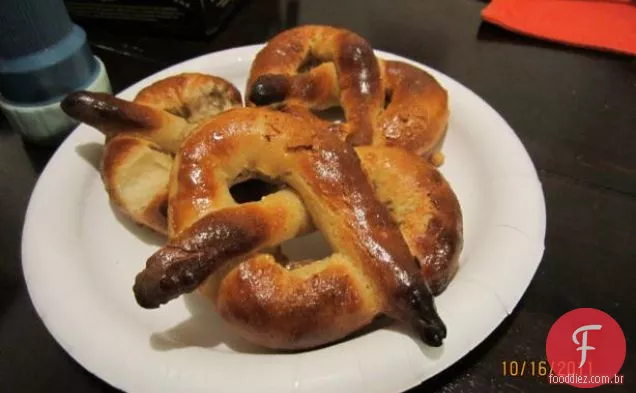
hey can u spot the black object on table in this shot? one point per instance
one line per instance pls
(573, 109)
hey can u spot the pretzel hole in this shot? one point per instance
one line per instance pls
(182, 111)
(207, 104)
(163, 208)
(304, 250)
(334, 114)
(252, 190)
(388, 97)
(310, 62)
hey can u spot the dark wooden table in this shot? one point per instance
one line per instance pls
(574, 109)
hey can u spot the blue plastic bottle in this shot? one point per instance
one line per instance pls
(43, 57)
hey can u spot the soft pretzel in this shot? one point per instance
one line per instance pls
(372, 271)
(143, 136)
(388, 103)
(311, 303)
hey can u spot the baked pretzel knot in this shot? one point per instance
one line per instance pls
(387, 103)
(371, 272)
(142, 137)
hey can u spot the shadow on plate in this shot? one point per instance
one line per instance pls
(146, 235)
(91, 153)
(433, 353)
(206, 329)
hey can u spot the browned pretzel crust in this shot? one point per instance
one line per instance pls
(372, 267)
(388, 103)
(419, 199)
(423, 204)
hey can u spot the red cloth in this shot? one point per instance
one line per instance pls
(600, 24)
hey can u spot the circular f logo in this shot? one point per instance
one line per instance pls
(586, 347)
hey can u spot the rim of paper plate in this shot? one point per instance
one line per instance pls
(100, 338)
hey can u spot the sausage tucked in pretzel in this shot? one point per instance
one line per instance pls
(143, 136)
(388, 103)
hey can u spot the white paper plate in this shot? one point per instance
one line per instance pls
(80, 259)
